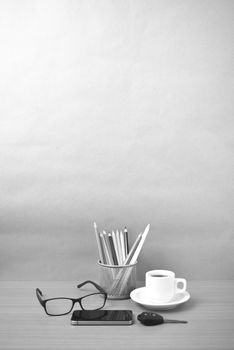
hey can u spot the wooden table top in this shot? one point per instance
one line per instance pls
(24, 324)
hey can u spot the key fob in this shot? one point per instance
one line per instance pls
(150, 318)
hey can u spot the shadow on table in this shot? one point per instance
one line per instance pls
(189, 305)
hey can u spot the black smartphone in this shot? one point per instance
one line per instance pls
(101, 317)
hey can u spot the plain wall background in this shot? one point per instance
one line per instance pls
(119, 112)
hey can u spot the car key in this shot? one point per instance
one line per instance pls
(152, 319)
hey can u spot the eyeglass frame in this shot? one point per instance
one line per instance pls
(43, 302)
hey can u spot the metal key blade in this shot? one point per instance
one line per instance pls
(174, 321)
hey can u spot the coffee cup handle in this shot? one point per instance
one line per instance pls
(181, 280)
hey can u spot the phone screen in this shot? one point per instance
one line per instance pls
(101, 317)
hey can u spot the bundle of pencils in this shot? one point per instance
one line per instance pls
(114, 250)
(113, 246)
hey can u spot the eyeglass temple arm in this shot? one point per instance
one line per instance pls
(39, 296)
(94, 284)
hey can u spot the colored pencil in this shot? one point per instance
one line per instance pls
(115, 260)
(100, 248)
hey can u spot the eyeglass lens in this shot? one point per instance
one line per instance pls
(58, 306)
(93, 302)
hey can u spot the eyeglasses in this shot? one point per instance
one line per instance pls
(63, 306)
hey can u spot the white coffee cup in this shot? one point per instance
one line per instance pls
(161, 285)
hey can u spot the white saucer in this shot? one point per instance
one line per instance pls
(139, 296)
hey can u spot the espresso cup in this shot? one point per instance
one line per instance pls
(161, 285)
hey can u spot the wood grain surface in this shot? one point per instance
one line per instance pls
(24, 324)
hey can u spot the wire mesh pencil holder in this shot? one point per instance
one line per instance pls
(118, 280)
